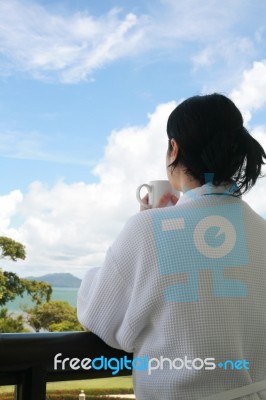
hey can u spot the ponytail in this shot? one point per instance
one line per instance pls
(252, 161)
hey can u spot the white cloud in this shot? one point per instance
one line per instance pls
(35, 146)
(251, 93)
(233, 51)
(70, 226)
(68, 47)
(194, 20)
(22, 145)
(8, 206)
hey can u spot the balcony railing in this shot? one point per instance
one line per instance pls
(27, 360)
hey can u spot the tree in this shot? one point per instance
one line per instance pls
(11, 249)
(39, 291)
(11, 285)
(53, 316)
(8, 324)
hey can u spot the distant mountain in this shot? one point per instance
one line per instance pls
(64, 280)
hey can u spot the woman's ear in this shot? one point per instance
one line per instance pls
(174, 150)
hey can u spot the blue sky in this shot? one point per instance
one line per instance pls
(86, 87)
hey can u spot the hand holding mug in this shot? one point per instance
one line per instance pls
(160, 194)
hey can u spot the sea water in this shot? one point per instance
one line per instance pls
(62, 294)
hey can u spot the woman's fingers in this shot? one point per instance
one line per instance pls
(174, 199)
(166, 199)
(145, 200)
(163, 202)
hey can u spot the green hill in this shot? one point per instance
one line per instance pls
(64, 280)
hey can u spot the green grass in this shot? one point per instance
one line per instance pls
(123, 382)
(6, 389)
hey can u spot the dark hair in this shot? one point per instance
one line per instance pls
(212, 140)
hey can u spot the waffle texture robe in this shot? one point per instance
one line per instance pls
(184, 284)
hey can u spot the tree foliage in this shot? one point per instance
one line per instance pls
(39, 291)
(9, 324)
(11, 249)
(11, 285)
(53, 316)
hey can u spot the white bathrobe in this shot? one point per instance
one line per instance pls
(185, 283)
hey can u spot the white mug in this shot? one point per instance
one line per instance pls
(156, 190)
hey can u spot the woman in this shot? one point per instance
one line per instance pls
(183, 287)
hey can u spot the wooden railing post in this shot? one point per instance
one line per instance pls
(32, 385)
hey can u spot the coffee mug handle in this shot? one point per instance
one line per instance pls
(149, 188)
